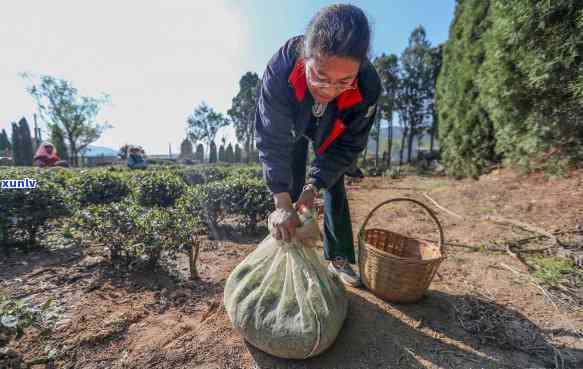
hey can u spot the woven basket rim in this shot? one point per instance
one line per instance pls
(362, 242)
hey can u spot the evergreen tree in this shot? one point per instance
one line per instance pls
(4, 143)
(230, 154)
(416, 84)
(466, 132)
(222, 157)
(16, 145)
(238, 154)
(242, 111)
(212, 152)
(199, 156)
(533, 81)
(26, 146)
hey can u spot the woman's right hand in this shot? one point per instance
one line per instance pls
(285, 220)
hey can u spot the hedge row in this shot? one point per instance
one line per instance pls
(155, 207)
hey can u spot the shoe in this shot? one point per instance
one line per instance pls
(341, 267)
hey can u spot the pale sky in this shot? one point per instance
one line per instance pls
(159, 59)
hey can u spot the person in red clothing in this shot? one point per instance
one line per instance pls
(46, 155)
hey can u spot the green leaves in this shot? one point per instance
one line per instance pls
(18, 315)
(510, 86)
(99, 187)
(28, 209)
(162, 188)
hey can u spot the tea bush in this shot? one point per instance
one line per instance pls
(27, 209)
(98, 187)
(160, 188)
(249, 198)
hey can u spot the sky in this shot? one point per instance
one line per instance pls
(158, 60)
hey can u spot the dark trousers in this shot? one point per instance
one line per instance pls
(338, 239)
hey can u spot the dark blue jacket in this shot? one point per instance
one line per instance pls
(284, 115)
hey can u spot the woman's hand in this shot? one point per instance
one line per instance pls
(307, 198)
(285, 220)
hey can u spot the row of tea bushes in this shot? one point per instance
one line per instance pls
(155, 210)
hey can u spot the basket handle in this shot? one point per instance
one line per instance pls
(427, 209)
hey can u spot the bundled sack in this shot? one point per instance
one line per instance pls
(282, 298)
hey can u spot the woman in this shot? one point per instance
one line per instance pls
(136, 158)
(321, 88)
(45, 156)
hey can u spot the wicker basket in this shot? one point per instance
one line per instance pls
(394, 267)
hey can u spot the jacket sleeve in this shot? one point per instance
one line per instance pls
(327, 168)
(274, 119)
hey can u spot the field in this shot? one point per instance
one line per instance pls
(506, 296)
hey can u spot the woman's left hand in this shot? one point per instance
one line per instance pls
(306, 199)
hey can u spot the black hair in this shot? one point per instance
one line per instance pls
(338, 30)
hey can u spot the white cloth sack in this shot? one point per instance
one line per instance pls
(283, 299)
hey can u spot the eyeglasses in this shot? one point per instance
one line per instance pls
(320, 83)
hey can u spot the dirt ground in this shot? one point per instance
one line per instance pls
(481, 311)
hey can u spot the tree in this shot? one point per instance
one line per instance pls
(5, 144)
(22, 147)
(26, 143)
(212, 152)
(415, 87)
(58, 140)
(222, 157)
(222, 152)
(203, 125)
(375, 134)
(532, 84)
(466, 131)
(435, 61)
(242, 111)
(199, 156)
(388, 68)
(16, 145)
(61, 107)
(238, 154)
(230, 154)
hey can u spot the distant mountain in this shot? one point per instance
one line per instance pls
(99, 151)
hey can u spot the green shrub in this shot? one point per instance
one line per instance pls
(249, 198)
(165, 230)
(161, 188)
(203, 174)
(112, 225)
(251, 171)
(98, 187)
(206, 202)
(28, 209)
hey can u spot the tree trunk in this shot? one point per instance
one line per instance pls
(74, 153)
(193, 257)
(431, 138)
(248, 149)
(389, 142)
(403, 138)
(410, 148)
(378, 148)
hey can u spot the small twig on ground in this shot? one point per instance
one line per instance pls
(525, 226)
(533, 282)
(518, 257)
(442, 208)
(44, 270)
